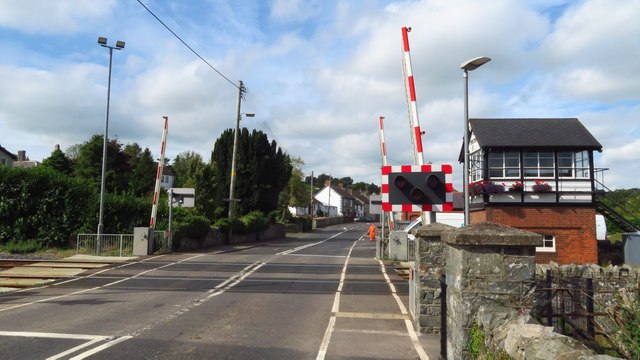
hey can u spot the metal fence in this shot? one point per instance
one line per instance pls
(105, 244)
(114, 244)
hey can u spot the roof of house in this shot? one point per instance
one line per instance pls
(9, 154)
(343, 193)
(565, 133)
(361, 197)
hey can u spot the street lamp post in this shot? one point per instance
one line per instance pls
(467, 66)
(232, 182)
(119, 46)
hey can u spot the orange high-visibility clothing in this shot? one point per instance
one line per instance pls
(372, 232)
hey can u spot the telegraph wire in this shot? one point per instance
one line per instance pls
(185, 44)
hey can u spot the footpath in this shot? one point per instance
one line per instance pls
(370, 316)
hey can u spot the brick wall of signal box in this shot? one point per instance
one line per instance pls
(574, 230)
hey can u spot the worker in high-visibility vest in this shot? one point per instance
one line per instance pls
(372, 232)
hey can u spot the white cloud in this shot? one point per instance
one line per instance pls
(320, 74)
(293, 10)
(53, 17)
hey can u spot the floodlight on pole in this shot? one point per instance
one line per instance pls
(119, 46)
(467, 66)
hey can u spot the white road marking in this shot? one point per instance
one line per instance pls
(412, 333)
(52, 335)
(93, 339)
(322, 352)
(287, 252)
(97, 349)
(326, 339)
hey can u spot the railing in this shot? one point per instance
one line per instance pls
(105, 244)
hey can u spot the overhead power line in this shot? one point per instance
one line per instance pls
(185, 44)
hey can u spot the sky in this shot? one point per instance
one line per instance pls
(318, 74)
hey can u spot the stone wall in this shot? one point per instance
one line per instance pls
(491, 280)
(430, 255)
(216, 238)
(521, 337)
(328, 221)
(486, 264)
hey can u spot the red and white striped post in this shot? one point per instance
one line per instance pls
(383, 151)
(416, 133)
(156, 192)
(411, 92)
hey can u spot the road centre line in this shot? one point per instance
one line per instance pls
(218, 290)
(287, 252)
(322, 352)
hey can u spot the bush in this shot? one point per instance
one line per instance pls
(254, 222)
(42, 204)
(188, 224)
(304, 220)
(23, 247)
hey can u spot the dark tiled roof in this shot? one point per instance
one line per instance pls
(343, 193)
(566, 133)
(361, 197)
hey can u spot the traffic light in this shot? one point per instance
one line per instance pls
(417, 188)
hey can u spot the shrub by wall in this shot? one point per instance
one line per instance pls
(43, 205)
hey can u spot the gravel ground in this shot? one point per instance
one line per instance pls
(8, 256)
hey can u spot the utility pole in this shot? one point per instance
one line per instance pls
(311, 197)
(232, 182)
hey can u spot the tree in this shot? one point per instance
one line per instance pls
(262, 170)
(89, 164)
(373, 189)
(186, 167)
(345, 181)
(58, 161)
(141, 176)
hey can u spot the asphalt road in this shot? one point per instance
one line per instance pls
(321, 295)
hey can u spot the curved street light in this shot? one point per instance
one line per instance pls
(467, 66)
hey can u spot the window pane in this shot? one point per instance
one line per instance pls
(546, 172)
(513, 172)
(531, 172)
(511, 162)
(565, 172)
(495, 173)
(495, 163)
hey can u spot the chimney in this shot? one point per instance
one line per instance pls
(22, 155)
(327, 182)
(341, 185)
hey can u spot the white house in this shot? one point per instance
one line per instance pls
(338, 197)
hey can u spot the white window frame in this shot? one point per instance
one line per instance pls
(579, 168)
(538, 169)
(475, 166)
(547, 238)
(505, 167)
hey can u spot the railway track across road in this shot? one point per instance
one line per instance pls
(23, 273)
